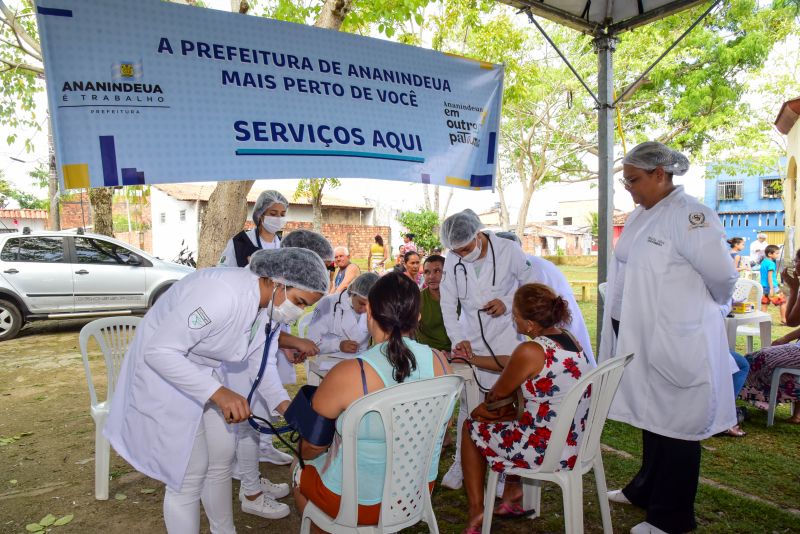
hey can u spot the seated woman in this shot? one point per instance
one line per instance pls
(784, 352)
(545, 369)
(392, 315)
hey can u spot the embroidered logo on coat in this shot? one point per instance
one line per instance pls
(198, 319)
(697, 220)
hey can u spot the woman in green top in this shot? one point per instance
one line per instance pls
(431, 329)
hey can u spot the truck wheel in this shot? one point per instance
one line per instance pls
(10, 320)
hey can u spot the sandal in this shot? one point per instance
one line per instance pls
(506, 510)
(732, 433)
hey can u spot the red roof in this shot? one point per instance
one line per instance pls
(788, 115)
(23, 214)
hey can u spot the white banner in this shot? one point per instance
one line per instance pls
(152, 92)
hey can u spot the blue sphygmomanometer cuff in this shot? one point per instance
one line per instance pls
(313, 427)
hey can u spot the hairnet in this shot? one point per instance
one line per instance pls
(265, 200)
(309, 240)
(647, 156)
(459, 229)
(362, 284)
(510, 236)
(295, 267)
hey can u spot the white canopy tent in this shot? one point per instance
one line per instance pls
(604, 20)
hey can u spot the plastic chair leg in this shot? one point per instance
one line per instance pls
(602, 494)
(102, 459)
(305, 525)
(750, 348)
(532, 496)
(572, 491)
(773, 396)
(488, 501)
(430, 517)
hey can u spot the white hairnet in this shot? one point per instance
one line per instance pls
(651, 154)
(295, 267)
(510, 236)
(265, 200)
(362, 284)
(460, 228)
(311, 241)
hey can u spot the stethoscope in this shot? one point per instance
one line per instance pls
(337, 309)
(464, 270)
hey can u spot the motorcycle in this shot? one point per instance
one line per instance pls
(185, 256)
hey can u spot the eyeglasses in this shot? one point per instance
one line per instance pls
(628, 182)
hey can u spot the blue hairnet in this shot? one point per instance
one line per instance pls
(651, 154)
(265, 200)
(362, 284)
(295, 267)
(459, 229)
(311, 241)
(511, 236)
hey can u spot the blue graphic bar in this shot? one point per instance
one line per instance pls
(130, 176)
(480, 180)
(492, 147)
(335, 153)
(108, 155)
(54, 12)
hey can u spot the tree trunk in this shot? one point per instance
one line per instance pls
(54, 222)
(447, 203)
(223, 218)
(436, 202)
(333, 14)
(101, 200)
(427, 197)
(316, 204)
(504, 222)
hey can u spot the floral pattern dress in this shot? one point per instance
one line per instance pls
(759, 381)
(523, 443)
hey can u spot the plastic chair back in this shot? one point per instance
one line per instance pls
(603, 381)
(113, 334)
(414, 417)
(744, 287)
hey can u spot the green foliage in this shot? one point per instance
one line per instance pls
(25, 200)
(594, 222)
(424, 224)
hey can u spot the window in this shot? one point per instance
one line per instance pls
(771, 188)
(724, 221)
(34, 249)
(182, 215)
(747, 220)
(98, 251)
(567, 221)
(730, 190)
(163, 218)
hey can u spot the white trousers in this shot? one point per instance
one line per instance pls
(247, 454)
(207, 479)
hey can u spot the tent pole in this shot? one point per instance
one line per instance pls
(604, 46)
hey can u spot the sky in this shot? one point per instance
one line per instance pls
(16, 165)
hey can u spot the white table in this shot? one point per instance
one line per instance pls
(763, 319)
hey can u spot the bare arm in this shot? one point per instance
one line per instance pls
(489, 363)
(527, 360)
(793, 306)
(788, 338)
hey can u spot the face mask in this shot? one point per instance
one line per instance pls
(473, 256)
(287, 313)
(273, 224)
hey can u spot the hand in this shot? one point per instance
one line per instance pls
(282, 407)
(790, 279)
(234, 407)
(495, 308)
(463, 349)
(294, 356)
(307, 347)
(350, 347)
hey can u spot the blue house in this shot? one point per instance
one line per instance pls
(747, 205)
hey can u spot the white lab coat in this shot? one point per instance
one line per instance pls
(240, 375)
(171, 368)
(228, 258)
(328, 329)
(545, 272)
(677, 276)
(512, 270)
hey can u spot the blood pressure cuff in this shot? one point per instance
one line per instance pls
(313, 427)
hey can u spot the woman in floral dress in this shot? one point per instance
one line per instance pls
(545, 368)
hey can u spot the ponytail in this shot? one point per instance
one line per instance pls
(399, 355)
(394, 303)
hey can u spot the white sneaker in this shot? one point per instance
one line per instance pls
(272, 490)
(454, 478)
(268, 453)
(618, 497)
(265, 507)
(646, 528)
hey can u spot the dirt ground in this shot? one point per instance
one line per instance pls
(49, 469)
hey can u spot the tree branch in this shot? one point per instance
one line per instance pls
(10, 18)
(38, 71)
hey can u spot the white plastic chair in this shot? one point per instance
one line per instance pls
(113, 334)
(414, 416)
(773, 390)
(601, 289)
(741, 292)
(604, 381)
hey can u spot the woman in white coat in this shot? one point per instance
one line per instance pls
(481, 272)
(668, 277)
(269, 216)
(339, 323)
(170, 416)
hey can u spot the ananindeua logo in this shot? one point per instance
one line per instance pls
(198, 319)
(125, 92)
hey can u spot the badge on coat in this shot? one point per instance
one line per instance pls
(697, 220)
(198, 319)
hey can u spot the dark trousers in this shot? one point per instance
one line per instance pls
(666, 484)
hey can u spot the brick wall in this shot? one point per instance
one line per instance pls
(71, 211)
(357, 238)
(137, 238)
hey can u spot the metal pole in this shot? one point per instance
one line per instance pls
(605, 46)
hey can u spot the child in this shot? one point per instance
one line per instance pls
(769, 282)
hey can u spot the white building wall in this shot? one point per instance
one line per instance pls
(167, 235)
(36, 225)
